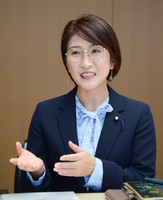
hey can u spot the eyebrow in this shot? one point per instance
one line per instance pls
(80, 46)
(75, 47)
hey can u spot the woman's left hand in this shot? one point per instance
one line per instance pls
(79, 164)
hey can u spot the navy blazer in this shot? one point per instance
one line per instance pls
(127, 144)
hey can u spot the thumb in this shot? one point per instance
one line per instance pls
(75, 147)
(19, 148)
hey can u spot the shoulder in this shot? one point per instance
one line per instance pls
(51, 102)
(117, 98)
(136, 114)
(129, 102)
(124, 103)
(56, 103)
(136, 109)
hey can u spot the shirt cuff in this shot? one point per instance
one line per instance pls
(95, 180)
(39, 181)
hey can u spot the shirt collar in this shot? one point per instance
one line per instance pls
(83, 112)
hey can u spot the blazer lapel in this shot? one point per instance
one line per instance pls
(67, 121)
(113, 125)
(68, 130)
(110, 132)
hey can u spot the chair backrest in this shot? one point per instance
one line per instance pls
(18, 173)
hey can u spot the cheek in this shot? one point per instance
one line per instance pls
(71, 68)
(68, 67)
(105, 65)
(108, 62)
(109, 66)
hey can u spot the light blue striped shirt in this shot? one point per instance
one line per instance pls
(89, 126)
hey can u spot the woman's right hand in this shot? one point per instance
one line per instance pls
(27, 161)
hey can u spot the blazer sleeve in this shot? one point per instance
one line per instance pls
(36, 145)
(143, 155)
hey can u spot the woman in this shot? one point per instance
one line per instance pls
(92, 138)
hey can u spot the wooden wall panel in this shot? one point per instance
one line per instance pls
(31, 69)
(139, 26)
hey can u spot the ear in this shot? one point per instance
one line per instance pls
(112, 65)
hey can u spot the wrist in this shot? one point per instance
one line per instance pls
(37, 174)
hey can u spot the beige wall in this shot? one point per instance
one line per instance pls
(31, 69)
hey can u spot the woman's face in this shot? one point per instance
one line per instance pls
(88, 72)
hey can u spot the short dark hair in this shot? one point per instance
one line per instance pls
(97, 31)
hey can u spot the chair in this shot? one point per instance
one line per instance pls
(18, 173)
(3, 191)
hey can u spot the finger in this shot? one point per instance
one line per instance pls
(18, 148)
(17, 162)
(64, 165)
(75, 147)
(13, 161)
(67, 172)
(69, 157)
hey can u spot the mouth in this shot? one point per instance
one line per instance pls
(88, 74)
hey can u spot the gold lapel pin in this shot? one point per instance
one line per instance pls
(116, 118)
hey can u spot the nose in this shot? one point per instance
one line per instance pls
(86, 60)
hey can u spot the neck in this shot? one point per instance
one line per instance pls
(91, 100)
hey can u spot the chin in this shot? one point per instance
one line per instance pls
(88, 86)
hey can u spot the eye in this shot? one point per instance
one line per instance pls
(95, 50)
(75, 53)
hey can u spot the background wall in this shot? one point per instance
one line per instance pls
(31, 69)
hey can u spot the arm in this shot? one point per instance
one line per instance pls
(142, 159)
(81, 164)
(94, 181)
(32, 170)
(38, 181)
(32, 162)
(28, 162)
